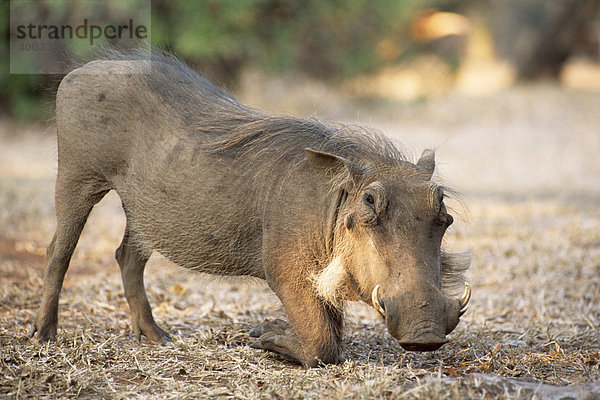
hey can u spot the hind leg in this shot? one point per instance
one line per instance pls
(73, 205)
(132, 261)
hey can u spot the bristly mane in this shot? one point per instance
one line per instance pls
(292, 135)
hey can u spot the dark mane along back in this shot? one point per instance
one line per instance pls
(290, 136)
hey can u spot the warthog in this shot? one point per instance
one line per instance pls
(324, 213)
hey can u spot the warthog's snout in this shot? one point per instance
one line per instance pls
(429, 341)
(420, 321)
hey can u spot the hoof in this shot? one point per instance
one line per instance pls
(166, 340)
(44, 334)
(278, 326)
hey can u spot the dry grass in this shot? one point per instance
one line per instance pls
(534, 315)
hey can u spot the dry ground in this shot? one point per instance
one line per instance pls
(527, 162)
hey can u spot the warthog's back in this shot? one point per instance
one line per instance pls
(132, 126)
(205, 180)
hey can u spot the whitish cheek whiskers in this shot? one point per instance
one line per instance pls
(329, 280)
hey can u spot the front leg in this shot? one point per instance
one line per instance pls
(314, 334)
(279, 337)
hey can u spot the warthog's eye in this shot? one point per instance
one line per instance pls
(371, 205)
(369, 199)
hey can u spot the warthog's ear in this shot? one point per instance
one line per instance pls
(332, 166)
(427, 163)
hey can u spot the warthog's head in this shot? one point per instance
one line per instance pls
(386, 248)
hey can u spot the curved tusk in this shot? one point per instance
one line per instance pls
(377, 304)
(464, 299)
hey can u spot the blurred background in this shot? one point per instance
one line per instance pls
(399, 50)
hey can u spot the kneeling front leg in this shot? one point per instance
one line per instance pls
(312, 337)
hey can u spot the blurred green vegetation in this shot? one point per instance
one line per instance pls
(326, 39)
(19, 94)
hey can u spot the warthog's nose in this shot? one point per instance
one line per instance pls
(426, 342)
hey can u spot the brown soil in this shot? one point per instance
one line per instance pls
(527, 163)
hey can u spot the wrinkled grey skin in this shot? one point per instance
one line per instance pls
(221, 188)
